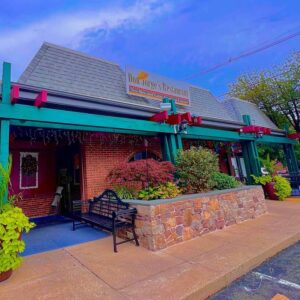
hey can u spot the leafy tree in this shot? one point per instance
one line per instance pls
(275, 91)
(144, 172)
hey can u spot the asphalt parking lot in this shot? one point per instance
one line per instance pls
(278, 275)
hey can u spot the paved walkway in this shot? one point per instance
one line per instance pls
(275, 276)
(193, 269)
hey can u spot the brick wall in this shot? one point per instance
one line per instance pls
(37, 206)
(162, 223)
(99, 157)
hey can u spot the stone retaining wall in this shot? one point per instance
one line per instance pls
(162, 223)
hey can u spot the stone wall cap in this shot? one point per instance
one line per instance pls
(191, 196)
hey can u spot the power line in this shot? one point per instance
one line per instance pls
(245, 54)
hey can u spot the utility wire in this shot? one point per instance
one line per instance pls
(245, 54)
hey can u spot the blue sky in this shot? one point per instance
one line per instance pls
(172, 38)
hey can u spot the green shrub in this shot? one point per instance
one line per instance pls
(163, 191)
(263, 180)
(12, 223)
(224, 181)
(125, 192)
(194, 168)
(282, 187)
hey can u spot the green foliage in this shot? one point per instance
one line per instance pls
(194, 168)
(4, 181)
(263, 180)
(273, 151)
(269, 164)
(12, 223)
(275, 91)
(282, 187)
(125, 192)
(163, 191)
(224, 181)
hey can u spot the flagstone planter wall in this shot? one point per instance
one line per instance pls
(163, 223)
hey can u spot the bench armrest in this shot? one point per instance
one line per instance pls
(125, 212)
(78, 205)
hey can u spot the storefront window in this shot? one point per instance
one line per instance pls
(143, 155)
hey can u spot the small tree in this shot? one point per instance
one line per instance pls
(195, 168)
(142, 173)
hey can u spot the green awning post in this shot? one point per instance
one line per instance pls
(165, 147)
(4, 124)
(247, 162)
(173, 147)
(6, 83)
(250, 154)
(174, 141)
(291, 158)
(179, 141)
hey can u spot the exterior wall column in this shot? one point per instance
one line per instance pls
(171, 143)
(250, 154)
(4, 124)
(291, 158)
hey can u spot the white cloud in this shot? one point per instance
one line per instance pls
(19, 45)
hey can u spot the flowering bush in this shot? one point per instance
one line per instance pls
(142, 173)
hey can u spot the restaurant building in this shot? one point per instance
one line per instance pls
(70, 118)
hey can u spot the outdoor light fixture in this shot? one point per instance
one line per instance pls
(182, 127)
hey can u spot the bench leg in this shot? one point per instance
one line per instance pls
(133, 231)
(135, 237)
(115, 240)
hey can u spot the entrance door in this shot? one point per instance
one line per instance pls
(238, 164)
(69, 175)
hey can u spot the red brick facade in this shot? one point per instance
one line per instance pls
(98, 156)
(98, 159)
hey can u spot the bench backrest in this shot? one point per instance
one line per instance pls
(107, 203)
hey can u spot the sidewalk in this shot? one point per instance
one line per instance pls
(194, 269)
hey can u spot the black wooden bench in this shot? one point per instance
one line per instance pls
(108, 212)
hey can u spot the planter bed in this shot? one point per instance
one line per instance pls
(162, 223)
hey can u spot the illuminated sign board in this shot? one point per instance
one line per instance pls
(149, 85)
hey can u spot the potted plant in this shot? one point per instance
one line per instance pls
(271, 182)
(12, 223)
(275, 187)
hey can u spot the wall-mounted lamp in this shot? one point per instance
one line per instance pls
(182, 127)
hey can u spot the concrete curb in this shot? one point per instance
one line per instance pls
(225, 280)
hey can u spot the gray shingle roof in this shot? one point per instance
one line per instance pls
(61, 69)
(237, 108)
(203, 103)
(65, 70)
